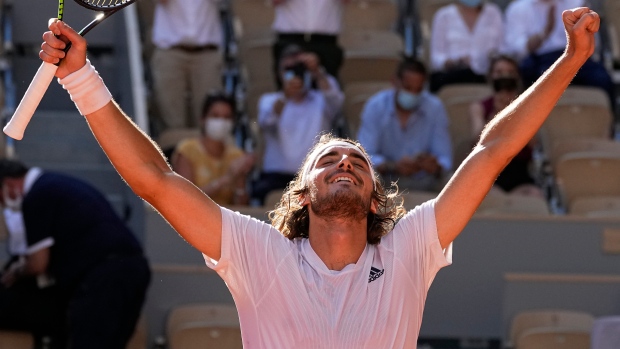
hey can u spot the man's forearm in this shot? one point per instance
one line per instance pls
(136, 158)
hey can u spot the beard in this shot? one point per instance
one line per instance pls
(342, 203)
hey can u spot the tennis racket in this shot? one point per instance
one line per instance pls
(17, 125)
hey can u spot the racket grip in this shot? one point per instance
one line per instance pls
(17, 125)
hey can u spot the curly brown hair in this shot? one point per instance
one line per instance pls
(293, 221)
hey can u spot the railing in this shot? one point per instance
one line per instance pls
(6, 68)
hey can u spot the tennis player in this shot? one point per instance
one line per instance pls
(341, 266)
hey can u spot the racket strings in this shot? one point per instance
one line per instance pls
(106, 4)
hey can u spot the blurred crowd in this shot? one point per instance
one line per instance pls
(318, 67)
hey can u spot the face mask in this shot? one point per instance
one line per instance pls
(218, 128)
(407, 100)
(471, 3)
(505, 84)
(13, 204)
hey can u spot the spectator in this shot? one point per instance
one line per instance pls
(313, 25)
(506, 81)
(186, 60)
(97, 274)
(212, 162)
(535, 34)
(405, 131)
(291, 119)
(464, 35)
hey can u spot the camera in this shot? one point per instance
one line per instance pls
(295, 70)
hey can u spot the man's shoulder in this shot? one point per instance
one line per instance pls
(432, 99)
(382, 98)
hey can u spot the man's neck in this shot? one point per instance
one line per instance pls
(338, 242)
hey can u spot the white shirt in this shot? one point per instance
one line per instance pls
(526, 18)
(287, 298)
(309, 16)
(452, 39)
(289, 136)
(186, 22)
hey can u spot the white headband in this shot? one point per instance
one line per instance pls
(312, 159)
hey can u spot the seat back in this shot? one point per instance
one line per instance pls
(372, 40)
(567, 146)
(554, 338)
(548, 318)
(513, 205)
(587, 174)
(361, 66)
(356, 95)
(253, 18)
(203, 326)
(369, 15)
(16, 340)
(596, 206)
(584, 95)
(575, 121)
(139, 338)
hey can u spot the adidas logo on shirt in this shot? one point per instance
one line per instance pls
(374, 274)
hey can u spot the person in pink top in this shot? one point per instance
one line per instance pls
(341, 265)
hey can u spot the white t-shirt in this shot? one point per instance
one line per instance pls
(287, 298)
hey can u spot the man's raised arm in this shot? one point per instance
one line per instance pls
(133, 154)
(513, 128)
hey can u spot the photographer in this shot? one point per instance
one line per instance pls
(291, 119)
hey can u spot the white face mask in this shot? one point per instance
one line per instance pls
(218, 128)
(13, 204)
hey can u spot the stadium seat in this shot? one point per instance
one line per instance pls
(273, 198)
(411, 199)
(426, 11)
(606, 333)
(548, 319)
(372, 40)
(584, 95)
(356, 94)
(496, 204)
(139, 338)
(587, 174)
(253, 19)
(612, 16)
(567, 146)
(16, 340)
(596, 206)
(368, 66)
(554, 338)
(472, 91)
(256, 57)
(204, 326)
(575, 121)
(461, 137)
(369, 15)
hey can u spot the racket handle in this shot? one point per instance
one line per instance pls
(17, 125)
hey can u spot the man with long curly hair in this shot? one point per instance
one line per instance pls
(351, 271)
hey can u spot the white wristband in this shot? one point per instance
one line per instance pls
(86, 89)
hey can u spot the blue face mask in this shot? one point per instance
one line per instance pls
(471, 3)
(407, 100)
